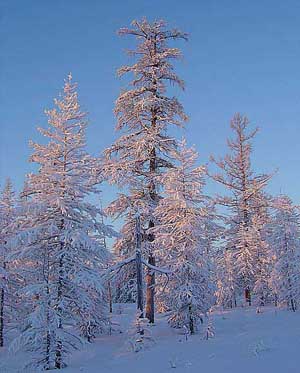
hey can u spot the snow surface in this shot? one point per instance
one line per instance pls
(244, 342)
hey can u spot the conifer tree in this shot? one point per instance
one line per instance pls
(213, 231)
(212, 236)
(285, 241)
(260, 231)
(179, 236)
(227, 286)
(142, 152)
(244, 187)
(7, 213)
(59, 240)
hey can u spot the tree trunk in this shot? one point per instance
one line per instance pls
(1, 317)
(59, 347)
(153, 195)
(139, 269)
(248, 296)
(58, 352)
(139, 283)
(58, 355)
(150, 281)
(48, 337)
(110, 297)
(47, 363)
(191, 321)
(293, 305)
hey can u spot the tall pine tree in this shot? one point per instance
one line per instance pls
(143, 151)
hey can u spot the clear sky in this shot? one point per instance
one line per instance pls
(242, 56)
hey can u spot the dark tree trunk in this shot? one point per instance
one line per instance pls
(139, 280)
(110, 297)
(58, 355)
(150, 281)
(139, 269)
(191, 321)
(248, 296)
(293, 305)
(58, 352)
(153, 195)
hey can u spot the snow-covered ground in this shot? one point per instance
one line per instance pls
(244, 342)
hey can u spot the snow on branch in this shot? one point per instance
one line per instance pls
(164, 271)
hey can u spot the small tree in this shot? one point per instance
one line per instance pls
(285, 241)
(179, 233)
(226, 279)
(263, 262)
(244, 186)
(58, 240)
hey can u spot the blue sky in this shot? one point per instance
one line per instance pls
(242, 56)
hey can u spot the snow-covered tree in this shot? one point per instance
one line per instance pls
(58, 240)
(7, 212)
(285, 280)
(124, 247)
(259, 229)
(142, 152)
(244, 187)
(212, 237)
(252, 265)
(226, 280)
(179, 230)
(213, 231)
